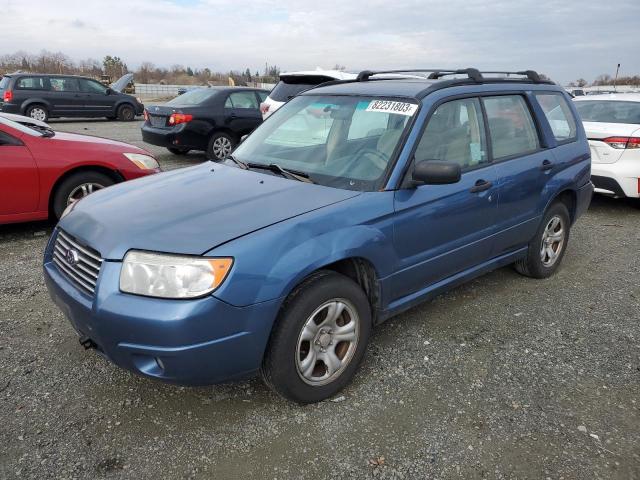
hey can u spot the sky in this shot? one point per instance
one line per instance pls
(565, 39)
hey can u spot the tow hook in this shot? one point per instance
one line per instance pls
(87, 343)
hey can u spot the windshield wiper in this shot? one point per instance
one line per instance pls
(240, 163)
(274, 167)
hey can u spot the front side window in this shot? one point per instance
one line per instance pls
(242, 100)
(64, 84)
(455, 133)
(511, 126)
(339, 141)
(31, 83)
(558, 114)
(90, 86)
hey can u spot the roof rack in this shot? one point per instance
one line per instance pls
(473, 73)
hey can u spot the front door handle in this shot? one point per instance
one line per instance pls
(546, 165)
(481, 185)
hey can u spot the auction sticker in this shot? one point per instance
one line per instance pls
(389, 106)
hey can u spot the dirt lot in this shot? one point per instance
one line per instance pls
(506, 377)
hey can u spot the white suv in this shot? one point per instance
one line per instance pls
(292, 83)
(612, 123)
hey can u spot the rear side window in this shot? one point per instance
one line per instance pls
(511, 126)
(31, 83)
(609, 111)
(242, 100)
(4, 83)
(559, 114)
(64, 84)
(455, 133)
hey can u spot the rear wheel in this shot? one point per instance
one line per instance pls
(220, 146)
(319, 339)
(78, 186)
(549, 245)
(178, 151)
(37, 112)
(126, 113)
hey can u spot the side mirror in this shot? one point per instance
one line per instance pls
(436, 172)
(243, 138)
(109, 91)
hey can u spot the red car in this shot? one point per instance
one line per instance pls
(42, 171)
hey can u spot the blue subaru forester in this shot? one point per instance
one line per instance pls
(353, 202)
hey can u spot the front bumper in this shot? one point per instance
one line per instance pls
(190, 342)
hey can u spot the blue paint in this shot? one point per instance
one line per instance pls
(420, 241)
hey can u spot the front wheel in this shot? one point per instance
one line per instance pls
(220, 146)
(319, 339)
(76, 187)
(126, 113)
(549, 245)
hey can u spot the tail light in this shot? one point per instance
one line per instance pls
(264, 108)
(8, 96)
(622, 142)
(177, 118)
(146, 116)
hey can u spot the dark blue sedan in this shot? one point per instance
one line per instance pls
(354, 202)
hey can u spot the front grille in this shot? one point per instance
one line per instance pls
(158, 121)
(81, 264)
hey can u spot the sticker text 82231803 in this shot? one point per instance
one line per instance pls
(389, 106)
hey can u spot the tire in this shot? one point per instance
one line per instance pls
(178, 151)
(539, 262)
(37, 112)
(126, 113)
(71, 187)
(220, 146)
(293, 366)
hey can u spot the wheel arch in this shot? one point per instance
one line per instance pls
(569, 197)
(35, 101)
(110, 172)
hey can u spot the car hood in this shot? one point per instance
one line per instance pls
(97, 141)
(192, 210)
(122, 82)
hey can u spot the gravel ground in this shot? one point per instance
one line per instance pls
(505, 377)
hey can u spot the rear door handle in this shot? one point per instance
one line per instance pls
(481, 185)
(546, 165)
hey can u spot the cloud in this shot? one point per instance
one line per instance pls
(564, 40)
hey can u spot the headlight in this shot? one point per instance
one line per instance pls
(144, 162)
(172, 276)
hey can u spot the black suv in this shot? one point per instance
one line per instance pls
(42, 97)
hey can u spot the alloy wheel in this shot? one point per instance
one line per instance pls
(82, 191)
(38, 113)
(327, 342)
(553, 238)
(221, 147)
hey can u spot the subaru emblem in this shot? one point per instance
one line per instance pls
(72, 257)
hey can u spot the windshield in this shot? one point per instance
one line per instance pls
(193, 97)
(291, 85)
(338, 141)
(608, 111)
(33, 130)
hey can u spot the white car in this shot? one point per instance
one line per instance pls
(292, 83)
(612, 123)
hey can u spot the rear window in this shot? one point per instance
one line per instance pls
(609, 111)
(192, 97)
(290, 86)
(4, 83)
(559, 115)
(31, 83)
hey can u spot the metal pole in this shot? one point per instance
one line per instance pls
(616, 78)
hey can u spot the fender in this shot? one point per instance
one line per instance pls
(269, 264)
(36, 100)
